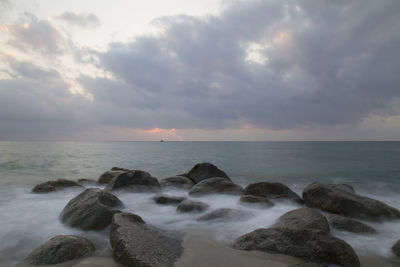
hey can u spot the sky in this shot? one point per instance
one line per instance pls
(200, 70)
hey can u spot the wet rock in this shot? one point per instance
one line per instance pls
(121, 169)
(311, 245)
(180, 182)
(168, 200)
(92, 209)
(135, 181)
(396, 248)
(84, 181)
(272, 191)
(135, 243)
(343, 202)
(310, 264)
(191, 206)
(345, 187)
(204, 171)
(350, 225)
(260, 201)
(51, 186)
(61, 248)
(303, 218)
(215, 185)
(106, 177)
(225, 214)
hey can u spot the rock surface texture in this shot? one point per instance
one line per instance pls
(167, 200)
(350, 225)
(396, 248)
(107, 176)
(204, 171)
(255, 200)
(216, 185)
(92, 209)
(191, 206)
(225, 214)
(343, 202)
(135, 243)
(134, 181)
(180, 182)
(303, 218)
(272, 191)
(51, 186)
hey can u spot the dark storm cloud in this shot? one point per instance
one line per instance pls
(81, 19)
(326, 63)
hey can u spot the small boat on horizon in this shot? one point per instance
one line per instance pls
(162, 140)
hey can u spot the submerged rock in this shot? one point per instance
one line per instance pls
(350, 225)
(272, 191)
(396, 248)
(191, 206)
(225, 214)
(204, 171)
(106, 177)
(255, 200)
(215, 185)
(51, 186)
(303, 218)
(92, 209)
(168, 200)
(135, 181)
(180, 182)
(343, 202)
(136, 244)
(61, 248)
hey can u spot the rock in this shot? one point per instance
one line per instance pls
(61, 248)
(396, 248)
(85, 181)
(303, 218)
(92, 209)
(191, 206)
(310, 264)
(168, 200)
(350, 225)
(272, 191)
(225, 214)
(345, 187)
(311, 245)
(215, 185)
(343, 202)
(121, 169)
(252, 200)
(137, 244)
(204, 171)
(106, 177)
(135, 181)
(180, 182)
(51, 186)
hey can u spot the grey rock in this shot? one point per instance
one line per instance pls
(345, 187)
(168, 200)
(84, 181)
(51, 186)
(135, 243)
(216, 185)
(106, 177)
(191, 206)
(225, 214)
(310, 264)
(61, 248)
(92, 209)
(346, 203)
(135, 181)
(310, 245)
(303, 218)
(121, 169)
(396, 248)
(350, 225)
(180, 182)
(255, 200)
(272, 191)
(204, 171)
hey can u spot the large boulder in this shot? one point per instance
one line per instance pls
(255, 201)
(304, 218)
(134, 181)
(51, 186)
(92, 209)
(59, 249)
(345, 187)
(135, 243)
(179, 182)
(350, 225)
(344, 202)
(216, 185)
(191, 206)
(204, 171)
(310, 245)
(167, 199)
(272, 191)
(225, 214)
(107, 176)
(396, 248)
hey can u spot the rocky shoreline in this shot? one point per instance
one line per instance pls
(303, 233)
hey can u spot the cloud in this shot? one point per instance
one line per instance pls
(81, 19)
(311, 63)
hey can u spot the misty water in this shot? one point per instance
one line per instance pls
(28, 220)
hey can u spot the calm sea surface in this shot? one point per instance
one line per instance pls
(28, 220)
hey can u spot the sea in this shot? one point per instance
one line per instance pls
(27, 220)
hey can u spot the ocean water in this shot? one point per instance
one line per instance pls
(27, 220)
